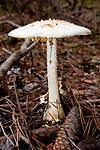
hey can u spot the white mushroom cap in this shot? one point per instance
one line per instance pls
(49, 28)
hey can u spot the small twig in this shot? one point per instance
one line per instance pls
(31, 58)
(33, 45)
(26, 135)
(19, 127)
(17, 135)
(6, 134)
(5, 50)
(92, 100)
(16, 95)
(15, 124)
(39, 142)
(73, 143)
(10, 22)
(20, 133)
(9, 105)
(5, 110)
(23, 138)
(10, 101)
(13, 136)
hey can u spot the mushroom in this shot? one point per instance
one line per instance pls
(49, 31)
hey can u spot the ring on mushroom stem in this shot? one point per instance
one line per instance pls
(49, 31)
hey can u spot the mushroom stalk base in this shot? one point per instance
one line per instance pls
(55, 110)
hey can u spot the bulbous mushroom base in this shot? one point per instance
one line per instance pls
(54, 113)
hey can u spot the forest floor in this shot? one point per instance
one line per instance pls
(21, 111)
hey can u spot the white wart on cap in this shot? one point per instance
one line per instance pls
(49, 28)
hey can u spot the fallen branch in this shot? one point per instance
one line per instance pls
(10, 22)
(16, 56)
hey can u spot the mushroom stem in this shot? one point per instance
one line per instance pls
(55, 110)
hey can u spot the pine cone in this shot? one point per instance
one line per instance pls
(69, 130)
